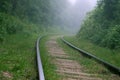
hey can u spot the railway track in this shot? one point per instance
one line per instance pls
(66, 67)
(109, 66)
(39, 62)
(41, 76)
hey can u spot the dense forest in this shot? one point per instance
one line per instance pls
(21, 23)
(19, 15)
(102, 25)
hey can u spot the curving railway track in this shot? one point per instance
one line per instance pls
(111, 67)
(67, 68)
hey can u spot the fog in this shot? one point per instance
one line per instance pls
(74, 13)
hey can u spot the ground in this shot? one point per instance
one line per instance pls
(67, 68)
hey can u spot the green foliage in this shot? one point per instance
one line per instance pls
(87, 63)
(21, 22)
(102, 25)
(9, 25)
(108, 55)
(112, 38)
(48, 66)
(35, 11)
(16, 15)
(17, 58)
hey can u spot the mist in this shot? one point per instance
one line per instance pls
(74, 13)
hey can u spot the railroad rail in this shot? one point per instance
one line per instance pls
(109, 66)
(39, 62)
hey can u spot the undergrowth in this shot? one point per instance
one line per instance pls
(17, 58)
(48, 66)
(88, 65)
(111, 56)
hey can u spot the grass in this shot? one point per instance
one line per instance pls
(111, 56)
(49, 68)
(88, 65)
(17, 58)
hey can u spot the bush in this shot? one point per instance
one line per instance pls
(100, 31)
(9, 25)
(112, 39)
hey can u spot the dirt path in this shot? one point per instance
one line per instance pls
(67, 68)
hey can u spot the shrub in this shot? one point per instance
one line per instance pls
(9, 25)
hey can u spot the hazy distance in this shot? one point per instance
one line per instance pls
(75, 12)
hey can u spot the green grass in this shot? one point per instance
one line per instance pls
(111, 56)
(49, 68)
(17, 58)
(88, 65)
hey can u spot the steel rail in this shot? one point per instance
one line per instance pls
(109, 66)
(39, 62)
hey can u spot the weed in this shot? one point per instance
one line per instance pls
(88, 65)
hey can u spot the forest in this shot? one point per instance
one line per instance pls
(23, 21)
(102, 25)
(17, 15)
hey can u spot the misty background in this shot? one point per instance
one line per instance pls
(73, 13)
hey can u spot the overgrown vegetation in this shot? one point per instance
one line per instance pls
(100, 52)
(16, 15)
(102, 25)
(21, 22)
(18, 58)
(49, 68)
(36, 11)
(88, 65)
(9, 25)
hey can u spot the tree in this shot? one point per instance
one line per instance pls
(102, 26)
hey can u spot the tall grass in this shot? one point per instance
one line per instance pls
(17, 58)
(48, 66)
(87, 65)
(111, 56)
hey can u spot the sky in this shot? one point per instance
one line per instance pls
(72, 2)
(76, 12)
(90, 2)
